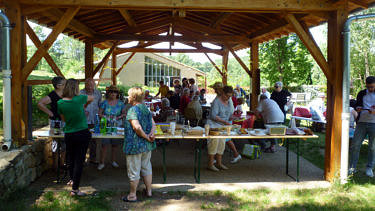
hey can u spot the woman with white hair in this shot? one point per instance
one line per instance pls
(138, 144)
(167, 113)
(281, 96)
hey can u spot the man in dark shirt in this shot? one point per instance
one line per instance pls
(174, 99)
(281, 95)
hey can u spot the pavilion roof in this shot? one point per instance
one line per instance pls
(236, 24)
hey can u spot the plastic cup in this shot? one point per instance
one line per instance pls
(173, 127)
(228, 128)
(207, 129)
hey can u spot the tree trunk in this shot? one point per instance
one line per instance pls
(367, 68)
(279, 59)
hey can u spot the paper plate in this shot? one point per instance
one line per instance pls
(258, 134)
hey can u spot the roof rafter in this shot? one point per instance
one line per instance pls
(198, 5)
(128, 18)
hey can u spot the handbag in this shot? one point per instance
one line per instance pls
(251, 151)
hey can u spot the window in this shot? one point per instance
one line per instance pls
(156, 71)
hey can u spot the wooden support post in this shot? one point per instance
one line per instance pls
(13, 11)
(225, 67)
(255, 75)
(113, 69)
(89, 59)
(334, 97)
(26, 91)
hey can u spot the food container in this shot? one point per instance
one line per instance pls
(276, 130)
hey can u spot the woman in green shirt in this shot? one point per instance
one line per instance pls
(77, 136)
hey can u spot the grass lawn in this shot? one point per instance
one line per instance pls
(338, 197)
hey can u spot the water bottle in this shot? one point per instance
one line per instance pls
(103, 125)
(97, 124)
(109, 124)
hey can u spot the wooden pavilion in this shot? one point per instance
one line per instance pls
(232, 25)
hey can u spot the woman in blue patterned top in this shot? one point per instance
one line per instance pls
(138, 144)
(114, 107)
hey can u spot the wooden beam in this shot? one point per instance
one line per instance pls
(306, 37)
(208, 30)
(198, 5)
(57, 14)
(34, 38)
(219, 19)
(255, 75)
(360, 3)
(89, 59)
(125, 63)
(114, 67)
(167, 50)
(33, 9)
(128, 18)
(335, 94)
(212, 38)
(158, 23)
(104, 60)
(213, 63)
(239, 60)
(225, 67)
(47, 43)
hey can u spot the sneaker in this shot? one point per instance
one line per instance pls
(101, 166)
(212, 168)
(369, 172)
(114, 164)
(222, 167)
(236, 159)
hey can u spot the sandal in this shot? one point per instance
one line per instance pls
(146, 193)
(77, 193)
(125, 199)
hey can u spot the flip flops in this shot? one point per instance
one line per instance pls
(125, 199)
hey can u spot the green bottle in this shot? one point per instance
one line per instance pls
(103, 125)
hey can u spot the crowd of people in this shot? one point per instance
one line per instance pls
(79, 109)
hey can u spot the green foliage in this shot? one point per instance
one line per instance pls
(38, 92)
(287, 60)
(362, 54)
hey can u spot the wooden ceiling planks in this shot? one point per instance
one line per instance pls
(261, 25)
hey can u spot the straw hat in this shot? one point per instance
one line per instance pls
(217, 85)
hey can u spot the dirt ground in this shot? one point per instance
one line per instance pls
(267, 172)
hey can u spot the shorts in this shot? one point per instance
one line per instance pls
(112, 141)
(216, 146)
(139, 164)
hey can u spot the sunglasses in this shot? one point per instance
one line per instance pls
(276, 87)
(112, 91)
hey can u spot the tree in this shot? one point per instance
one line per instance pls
(287, 60)
(362, 52)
